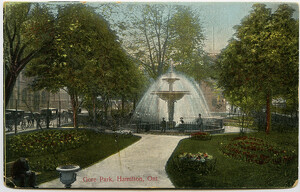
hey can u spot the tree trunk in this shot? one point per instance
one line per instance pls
(16, 117)
(123, 106)
(105, 105)
(74, 102)
(243, 121)
(94, 111)
(48, 112)
(134, 103)
(160, 68)
(268, 111)
(10, 82)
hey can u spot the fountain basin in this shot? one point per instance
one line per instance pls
(170, 95)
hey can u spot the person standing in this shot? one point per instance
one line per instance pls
(181, 120)
(139, 122)
(181, 125)
(199, 122)
(163, 125)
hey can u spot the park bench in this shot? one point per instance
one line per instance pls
(7, 175)
(9, 181)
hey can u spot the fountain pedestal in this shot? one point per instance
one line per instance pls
(170, 96)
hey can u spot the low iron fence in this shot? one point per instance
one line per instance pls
(212, 125)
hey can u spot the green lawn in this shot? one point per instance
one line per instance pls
(233, 173)
(48, 149)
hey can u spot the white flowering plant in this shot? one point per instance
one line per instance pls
(201, 163)
(201, 157)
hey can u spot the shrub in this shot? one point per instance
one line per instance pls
(201, 136)
(201, 163)
(45, 142)
(48, 162)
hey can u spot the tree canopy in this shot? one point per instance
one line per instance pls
(261, 61)
(156, 33)
(28, 32)
(86, 59)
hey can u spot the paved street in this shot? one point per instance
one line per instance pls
(141, 165)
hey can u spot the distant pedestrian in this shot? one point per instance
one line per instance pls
(139, 123)
(181, 120)
(181, 125)
(38, 120)
(163, 125)
(199, 122)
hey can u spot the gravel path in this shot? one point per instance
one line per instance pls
(141, 165)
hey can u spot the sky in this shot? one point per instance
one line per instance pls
(219, 18)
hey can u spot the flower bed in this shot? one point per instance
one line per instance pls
(201, 136)
(201, 163)
(45, 142)
(255, 150)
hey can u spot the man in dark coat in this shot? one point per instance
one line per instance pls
(199, 122)
(21, 173)
(163, 125)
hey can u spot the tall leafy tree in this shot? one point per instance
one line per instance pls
(28, 31)
(186, 42)
(120, 80)
(284, 53)
(256, 62)
(82, 40)
(86, 60)
(149, 36)
(156, 33)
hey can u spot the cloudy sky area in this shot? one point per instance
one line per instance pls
(219, 18)
(222, 17)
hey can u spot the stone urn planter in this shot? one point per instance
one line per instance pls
(67, 174)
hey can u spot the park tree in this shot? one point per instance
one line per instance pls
(28, 31)
(156, 33)
(150, 35)
(284, 43)
(186, 43)
(82, 40)
(255, 64)
(86, 60)
(120, 80)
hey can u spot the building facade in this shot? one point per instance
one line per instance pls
(24, 98)
(214, 99)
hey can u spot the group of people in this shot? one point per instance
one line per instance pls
(199, 122)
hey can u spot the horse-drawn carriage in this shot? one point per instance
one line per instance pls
(14, 118)
(49, 114)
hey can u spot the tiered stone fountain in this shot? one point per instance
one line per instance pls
(170, 96)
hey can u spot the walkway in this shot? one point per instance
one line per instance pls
(141, 165)
(232, 129)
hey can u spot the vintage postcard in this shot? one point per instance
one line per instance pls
(172, 95)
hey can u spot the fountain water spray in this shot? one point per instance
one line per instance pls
(170, 96)
(173, 95)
